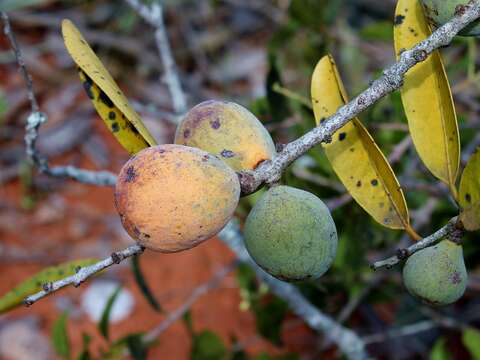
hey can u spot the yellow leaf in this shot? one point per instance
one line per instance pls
(469, 198)
(427, 98)
(109, 101)
(34, 284)
(355, 157)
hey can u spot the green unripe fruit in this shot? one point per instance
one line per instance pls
(438, 12)
(291, 234)
(437, 274)
(229, 131)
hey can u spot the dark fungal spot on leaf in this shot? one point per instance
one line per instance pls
(187, 133)
(112, 115)
(215, 124)
(342, 136)
(359, 183)
(131, 174)
(322, 120)
(352, 149)
(133, 128)
(105, 99)
(115, 127)
(468, 197)
(227, 153)
(399, 20)
(374, 182)
(87, 86)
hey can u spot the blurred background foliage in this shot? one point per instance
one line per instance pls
(262, 54)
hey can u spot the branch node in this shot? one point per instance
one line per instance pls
(117, 259)
(403, 254)
(47, 287)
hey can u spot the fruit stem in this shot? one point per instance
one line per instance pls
(412, 233)
(291, 95)
(454, 192)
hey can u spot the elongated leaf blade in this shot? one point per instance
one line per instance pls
(103, 325)
(427, 98)
(469, 197)
(471, 340)
(60, 339)
(34, 284)
(142, 284)
(109, 101)
(356, 159)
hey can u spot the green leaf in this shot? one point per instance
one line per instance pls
(34, 284)
(142, 284)
(471, 340)
(439, 351)
(85, 353)
(269, 317)
(105, 319)
(136, 347)
(187, 319)
(61, 342)
(207, 346)
(133, 343)
(381, 30)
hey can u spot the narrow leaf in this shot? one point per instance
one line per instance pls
(85, 353)
(34, 284)
(136, 347)
(142, 284)
(109, 101)
(471, 340)
(440, 350)
(356, 159)
(469, 197)
(427, 98)
(207, 346)
(61, 342)
(103, 325)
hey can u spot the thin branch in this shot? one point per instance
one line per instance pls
(198, 292)
(392, 79)
(7, 30)
(448, 230)
(153, 15)
(347, 340)
(84, 273)
(37, 118)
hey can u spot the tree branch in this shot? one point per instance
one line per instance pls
(37, 118)
(84, 273)
(153, 15)
(451, 229)
(392, 79)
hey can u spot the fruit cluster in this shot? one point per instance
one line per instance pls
(173, 197)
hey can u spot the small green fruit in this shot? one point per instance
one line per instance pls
(437, 274)
(438, 12)
(229, 131)
(291, 234)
